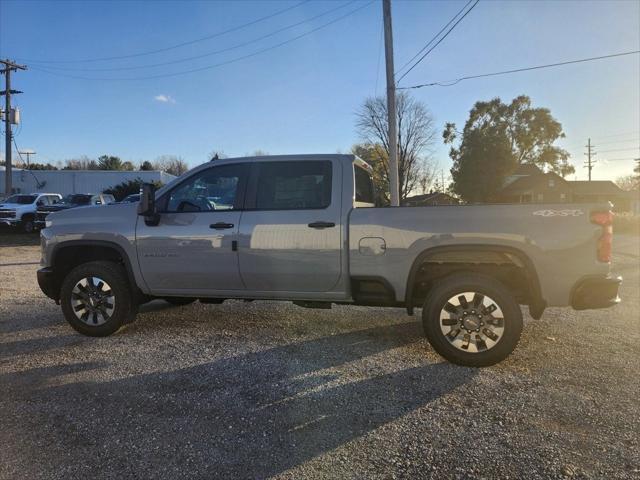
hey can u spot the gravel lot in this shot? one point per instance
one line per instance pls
(254, 390)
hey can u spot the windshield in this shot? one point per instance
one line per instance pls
(77, 199)
(21, 199)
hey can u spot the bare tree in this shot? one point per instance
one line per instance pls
(81, 163)
(416, 137)
(171, 164)
(628, 182)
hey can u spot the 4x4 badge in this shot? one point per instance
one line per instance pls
(559, 213)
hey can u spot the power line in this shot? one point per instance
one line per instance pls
(173, 47)
(635, 139)
(203, 55)
(433, 39)
(636, 132)
(450, 83)
(620, 150)
(209, 67)
(438, 42)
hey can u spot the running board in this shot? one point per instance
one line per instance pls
(310, 304)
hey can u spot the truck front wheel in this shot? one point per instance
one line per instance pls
(472, 320)
(96, 298)
(27, 224)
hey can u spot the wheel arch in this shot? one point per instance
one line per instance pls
(476, 255)
(71, 253)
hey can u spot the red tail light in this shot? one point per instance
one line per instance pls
(605, 242)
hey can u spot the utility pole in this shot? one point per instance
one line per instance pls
(28, 153)
(590, 163)
(9, 66)
(391, 105)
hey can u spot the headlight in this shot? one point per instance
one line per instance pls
(47, 223)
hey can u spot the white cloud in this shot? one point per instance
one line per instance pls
(162, 98)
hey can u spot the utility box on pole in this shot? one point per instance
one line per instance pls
(15, 116)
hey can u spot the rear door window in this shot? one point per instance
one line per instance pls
(294, 185)
(364, 186)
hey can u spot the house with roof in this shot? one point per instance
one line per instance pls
(529, 184)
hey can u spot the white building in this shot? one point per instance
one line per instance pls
(75, 181)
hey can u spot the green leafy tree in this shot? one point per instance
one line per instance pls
(480, 165)
(127, 187)
(146, 166)
(109, 162)
(128, 166)
(528, 132)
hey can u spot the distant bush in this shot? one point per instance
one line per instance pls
(127, 188)
(626, 222)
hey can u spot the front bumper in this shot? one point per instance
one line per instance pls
(48, 283)
(596, 292)
(9, 221)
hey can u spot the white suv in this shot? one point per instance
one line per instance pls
(20, 210)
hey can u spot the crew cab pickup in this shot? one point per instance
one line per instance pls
(304, 228)
(20, 210)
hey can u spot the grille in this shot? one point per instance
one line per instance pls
(7, 214)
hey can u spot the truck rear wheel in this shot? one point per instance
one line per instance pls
(472, 320)
(96, 298)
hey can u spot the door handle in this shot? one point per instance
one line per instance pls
(321, 225)
(221, 225)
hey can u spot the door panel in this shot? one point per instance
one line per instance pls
(192, 247)
(279, 250)
(184, 253)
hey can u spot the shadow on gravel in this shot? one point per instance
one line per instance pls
(14, 238)
(251, 416)
(37, 345)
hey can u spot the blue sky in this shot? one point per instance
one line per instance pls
(301, 97)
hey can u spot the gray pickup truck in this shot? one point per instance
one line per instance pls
(305, 228)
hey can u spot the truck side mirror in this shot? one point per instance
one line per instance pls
(147, 204)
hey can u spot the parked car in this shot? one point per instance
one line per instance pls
(133, 198)
(73, 200)
(20, 210)
(304, 228)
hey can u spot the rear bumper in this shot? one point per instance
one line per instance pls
(596, 292)
(48, 283)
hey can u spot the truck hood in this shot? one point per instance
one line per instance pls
(92, 215)
(60, 206)
(15, 206)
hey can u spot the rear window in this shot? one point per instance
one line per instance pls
(77, 199)
(294, 185)
(364, 185)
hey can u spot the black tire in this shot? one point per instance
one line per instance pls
(28, 224)
(454, 285)
(180, 301)
(115, 276)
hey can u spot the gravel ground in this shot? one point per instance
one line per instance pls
(254, 390)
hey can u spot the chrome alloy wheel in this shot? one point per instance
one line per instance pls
(93, 301)
(472, 322)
